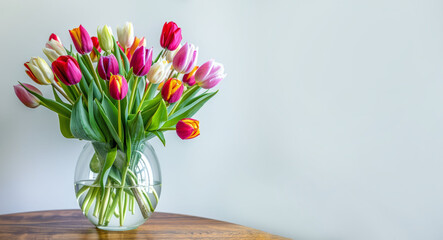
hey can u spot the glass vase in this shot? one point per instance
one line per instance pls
(119, 194)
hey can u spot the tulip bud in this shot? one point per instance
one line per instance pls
(187, 128)
(66, 69)
(209, 74)
(185, 59)
(107, 66)
(171, 36)
(189, 78)
(26, 97)
(54, 48)
(141, 61)
(138, 42)
(55, 37)
(171, 54)
(126, 35)
(39, 71)
(172, 90)
(105, 38)
(118, 87)
(158, 72)
(82, 40)
(97, 46)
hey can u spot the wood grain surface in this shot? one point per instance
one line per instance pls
(71, 224)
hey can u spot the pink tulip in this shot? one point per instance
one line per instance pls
(185, 59)
(141, 61)
(189, 78)
(107, 66)
(187, 128)
(25, 97)
(82, 40)
(209, 74)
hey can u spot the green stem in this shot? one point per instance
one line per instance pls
(134, 87)
(104, 204)
(97, 203)
(81, 191)
(120, 130)
(91, 200)
(144, 96)
(56, 87)
(175, 107)
(96, 80)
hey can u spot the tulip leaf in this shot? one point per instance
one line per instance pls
(158, 56)
(110, 158)
(125, 59)
(51, 104)
(117, 55)
(189, 110)
(135, 125)
(85, 70)
(188, 96)
(65, 126)
(111, 111)
(108, 122)
(80, 125)
(149, 103)
(160, 136)
(160, 116)
(91, 111)
(59, 100)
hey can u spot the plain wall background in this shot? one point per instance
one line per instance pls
(328, 126)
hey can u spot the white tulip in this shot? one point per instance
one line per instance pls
(158, 71)
(126, 35)
(54, 49)
(41, 70)
(171, 54)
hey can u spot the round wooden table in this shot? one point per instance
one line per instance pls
(71, 224)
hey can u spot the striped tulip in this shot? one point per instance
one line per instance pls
(54, 48)
(185, 59)
(97, 46)
(189, 78)
(39, 71)
(141, 61)
(67, 70)
(171, 36)
(172, 90)
(126, 35)
(105, 38)
(138, 42)
(187, 128)
(118, 87)
(107, 66)
(26, 97)
(209, 74)
(82, 40)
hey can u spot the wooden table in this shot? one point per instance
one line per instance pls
(71, 224)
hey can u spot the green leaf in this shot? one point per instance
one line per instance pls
(59, 100)
(110, 158)
(189, 110)
(135, 125)
(147, 104)
(65, 126)
(92, 121)
(80, 126)
(95, 164)
(160, 136)
(188, 96)
(111, 128)
(125, 59)
(111, 111)
(51, 104)
(85, 70)
(160, 116)
(117, 55)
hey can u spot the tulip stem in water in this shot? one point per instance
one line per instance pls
(134, 87)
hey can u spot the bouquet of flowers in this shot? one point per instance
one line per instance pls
(117, 95)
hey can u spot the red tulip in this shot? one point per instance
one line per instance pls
(97, 46)
(118, 87)
(172, 90)
(82, 40)
(141, 61)
(26, 97)
(66, 69)
(187, 128)
(171, 36)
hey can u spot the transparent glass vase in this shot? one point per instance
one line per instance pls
(108, 201)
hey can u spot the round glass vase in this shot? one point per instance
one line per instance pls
(117, 195)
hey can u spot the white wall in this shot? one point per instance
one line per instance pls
(328, 126)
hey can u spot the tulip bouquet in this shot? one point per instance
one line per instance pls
(117, 94)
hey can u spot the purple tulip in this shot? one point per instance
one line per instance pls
(141, 61)
(26, 97)
(185, 59)
(107, 66)
(209, 74)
